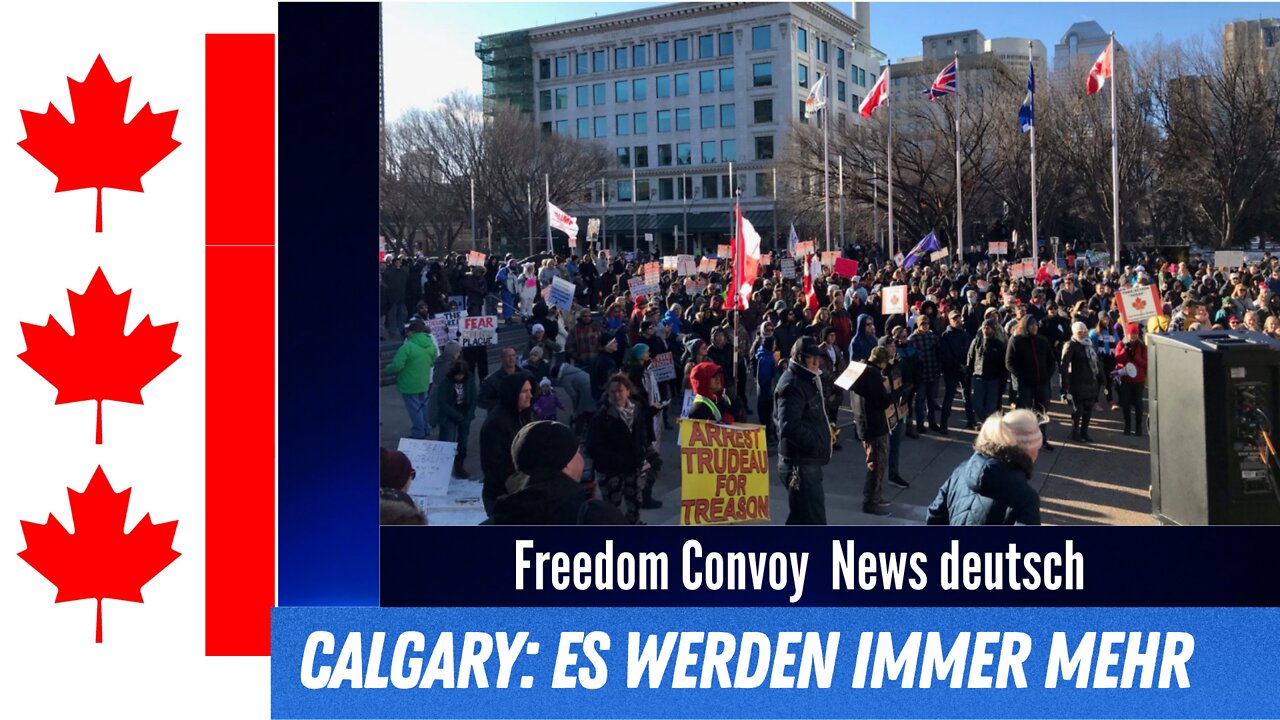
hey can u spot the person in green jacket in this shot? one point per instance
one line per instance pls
(412, 368)
(453, 403)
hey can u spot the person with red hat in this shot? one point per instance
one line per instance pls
(1132, 353)
(707, 381)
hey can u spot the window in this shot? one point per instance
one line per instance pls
(840, 90)
(707, 116)
(707, 81)
(761, 38)
(682, 50)
(855, 101)
(661, 52)
(640, 123)
(562, 66)
(802, 74)
(840, 58)
(624, 157)
(544, 100)
(662, 85)
(682, 118)
(710, 187)
(642, 156)
(546, 128)
(639, 89)
(726, 43)
(639, 56)
(584, 127)
(562, 98)
(622, 124)
(664, 155)
(764, 184)
(584, 95)
(601, 123)
(822, 50)
(580, 63)
(726, 79)
(802, 39)
(562, 127)
(684, 154)
(597, 94)
(872, 79)
(729, 184)
(682, 84)
(664, 121)
(621, 90)
(666, 189)
(729, 151)
(727, 116)
(764, 147)
(706, 46)
(642, 190)
(709, 152)
(862, 77)
(803, 118)
(762, 74)
(544, 69)
(624, 190)
(598, 61)
(620, 58)
(763, 110)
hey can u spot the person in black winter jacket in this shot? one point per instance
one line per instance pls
(1082, 376)
(871, 398)
(991, 487)
(804, 434)
(985, 363)
(551, 493)
(953, 347)
(515, 396)
(603, 366)
(1030, 361)
(618, 441)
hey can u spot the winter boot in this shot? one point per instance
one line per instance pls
(460, 467)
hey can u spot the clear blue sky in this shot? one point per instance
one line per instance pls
(429, 47)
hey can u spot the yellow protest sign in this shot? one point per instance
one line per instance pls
(724, 473)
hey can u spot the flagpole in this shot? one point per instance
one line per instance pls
(875, 204)
(1115, 158)
(889, 166)
(546, 179)
(775, 208)
(473, 214)
(826, 166)
(528, 188)
(737, 279)
(959, 194)
(841, 195)
(604, 212)
(1035, 230)
(635, 239)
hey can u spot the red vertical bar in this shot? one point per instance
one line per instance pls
(239, 343)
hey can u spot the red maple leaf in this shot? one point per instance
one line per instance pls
(1138, 303)
(100, 150)
(99, 560)
(99, 362)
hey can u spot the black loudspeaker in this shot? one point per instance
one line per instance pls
(1213, 395)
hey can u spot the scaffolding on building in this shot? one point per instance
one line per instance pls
(508, 70)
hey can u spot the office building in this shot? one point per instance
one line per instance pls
(677, 93)
(1081, 45)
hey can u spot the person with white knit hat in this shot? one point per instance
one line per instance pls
(1082, 376)
(992, 487)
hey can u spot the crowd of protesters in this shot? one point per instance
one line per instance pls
(970, 330)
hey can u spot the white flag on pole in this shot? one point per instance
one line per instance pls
(817, 98)
(563, 221)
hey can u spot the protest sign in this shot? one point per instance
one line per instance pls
(478, 331)
(669, 262)
(724, 473)
(432, 463)
(685, 266)
(652, 276)
(593, 229)
(893, 301)
(829, 258)
(1230, 259)
(939, 255)
(804, 248)
(687, 405)
(722, 251)
(899, 259)
(1138, 303)
(561, 295)
(458, 302)
(439, 331)
(789, 268)
(846, 267)
(629, 257)
(663, 366)
(636, 286)
(444, 326)
(851, 374)
(694, 286)
(766, 259)
(998, 248)
(707, 264)
(475, 259)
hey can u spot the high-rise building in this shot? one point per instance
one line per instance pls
(1081, 44)
(1253, 36)
(982, 60)
(677, 93)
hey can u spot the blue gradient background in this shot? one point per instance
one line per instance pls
(1233, 672)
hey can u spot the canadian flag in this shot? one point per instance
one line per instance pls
(878, 96)
(810, 295)
(746, 264)
(1100, 72)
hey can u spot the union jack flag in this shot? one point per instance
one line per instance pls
(944, 84)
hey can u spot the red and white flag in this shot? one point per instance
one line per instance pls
(1100, 72)
(810, 295)
(878, 96)
(563, 221)
(746, 264)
